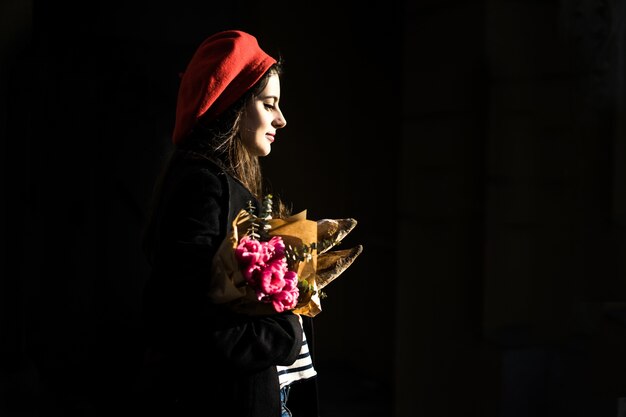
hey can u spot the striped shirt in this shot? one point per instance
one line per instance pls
(302, 368)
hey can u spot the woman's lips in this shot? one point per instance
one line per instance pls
(269, 137)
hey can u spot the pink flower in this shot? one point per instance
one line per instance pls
(264, 266)
(271, 277)
(249, 253)
(286, 299)
(277, 247)
(291, 281)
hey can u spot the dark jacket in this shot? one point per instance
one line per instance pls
(202, 358)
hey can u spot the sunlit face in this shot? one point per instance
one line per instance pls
(262, 118)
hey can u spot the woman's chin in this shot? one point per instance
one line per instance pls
(264, 152)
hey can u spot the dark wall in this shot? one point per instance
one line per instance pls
(480, 145)
(511, 217)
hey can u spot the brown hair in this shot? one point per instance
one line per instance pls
(219, 140)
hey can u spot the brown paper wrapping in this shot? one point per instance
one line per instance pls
(297, 231)
(229, 286)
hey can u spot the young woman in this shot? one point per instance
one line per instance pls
(205, 359)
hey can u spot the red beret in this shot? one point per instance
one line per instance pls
(223, 68)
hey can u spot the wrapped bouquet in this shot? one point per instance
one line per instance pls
(268, 265)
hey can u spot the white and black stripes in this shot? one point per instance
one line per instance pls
(302, 368)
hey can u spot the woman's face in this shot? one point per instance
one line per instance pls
(262, 118)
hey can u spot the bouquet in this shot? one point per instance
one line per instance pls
(267, 265)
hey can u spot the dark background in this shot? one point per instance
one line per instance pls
(480, 145)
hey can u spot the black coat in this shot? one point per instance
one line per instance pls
(203, 359)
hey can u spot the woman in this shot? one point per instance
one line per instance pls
(207, 360)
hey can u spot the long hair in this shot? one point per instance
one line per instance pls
(219, 140)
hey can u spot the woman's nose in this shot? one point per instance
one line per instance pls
(280, 120)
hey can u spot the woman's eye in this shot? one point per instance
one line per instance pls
(268, 105)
